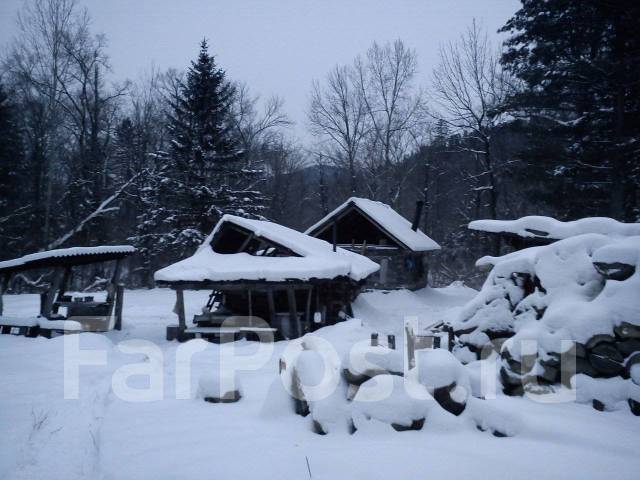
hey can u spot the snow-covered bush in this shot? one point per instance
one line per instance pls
(576, 298)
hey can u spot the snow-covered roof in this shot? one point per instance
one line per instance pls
(547, 227)
(76, 253)
(390, 221)
(317, 259)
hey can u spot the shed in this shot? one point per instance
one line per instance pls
(82, 312)
(538, 230)
(378, 232)
(257, 269)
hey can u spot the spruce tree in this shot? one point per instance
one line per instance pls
(579, 65)
(204, 175)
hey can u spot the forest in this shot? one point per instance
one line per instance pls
(546, 123)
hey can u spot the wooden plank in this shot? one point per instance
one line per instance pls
(293, 311)
(119, 306)
(182, 321)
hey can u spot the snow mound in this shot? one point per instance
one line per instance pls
(219, 387)
(577, 297)
(364, 361)
(438, 368)
(392, 400)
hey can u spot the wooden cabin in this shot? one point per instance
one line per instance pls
(533, 231)
(59, 311)
(378, 232)
(261, 270)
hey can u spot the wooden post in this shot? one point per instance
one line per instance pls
(411, 354)
(272, 306)
(307, 313)
(115, 278)
(4, 282)
(436, 342)
(119, 305)
(182, 322)
(293, 311)
(391, 341)
(250, 308)
(334, 233)
(58, 275)
(64, 286)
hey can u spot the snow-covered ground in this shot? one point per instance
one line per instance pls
(102, 435)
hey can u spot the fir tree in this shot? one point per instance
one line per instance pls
(579, 65)
(204, 175)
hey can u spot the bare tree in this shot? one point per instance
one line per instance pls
(37, 64)
(395, 110)
(254, 127)
(337, 117)
(469, 87)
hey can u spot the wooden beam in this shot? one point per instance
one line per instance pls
(64, 286)
(334, 234)
(58, 276)
(307, 312)
(119, 305)
(4, 283)
(293, 311)
(272, 306)
(246, 242)
(182, 321)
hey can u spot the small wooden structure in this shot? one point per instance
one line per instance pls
(535, 230)
(378, 232)
(82, 313)
(262, 270)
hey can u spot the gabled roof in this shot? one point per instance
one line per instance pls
(540, 227)
(387, 219)
(316, 259)
(67, 256)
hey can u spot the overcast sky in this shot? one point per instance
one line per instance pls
(276, 46)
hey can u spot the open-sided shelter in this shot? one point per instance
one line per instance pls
(256, 268)
(82, 313)
(535, 230)
(378, 232)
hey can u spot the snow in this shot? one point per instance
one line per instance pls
(100, 435)
(67, 252)
(389, 220)
(217, 384)
(439, 368)
(392, 400)
(317, 259)
(577, 302)
(547, 227)
(20, 321)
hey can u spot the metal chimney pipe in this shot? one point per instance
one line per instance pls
(417, 216)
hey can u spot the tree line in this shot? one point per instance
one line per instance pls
(547, 123)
